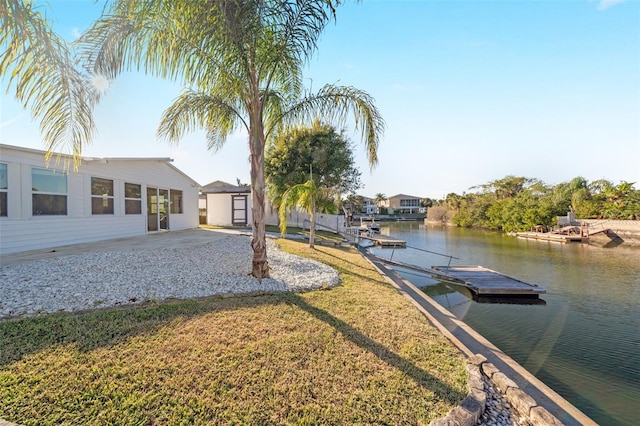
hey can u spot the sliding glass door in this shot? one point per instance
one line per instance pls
(157, 209)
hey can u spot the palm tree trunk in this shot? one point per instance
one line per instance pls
(260, 266)
(312, 230)
(312, 223)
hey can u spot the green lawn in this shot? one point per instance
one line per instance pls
(356, 354)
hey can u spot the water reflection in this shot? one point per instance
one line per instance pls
(583, 339)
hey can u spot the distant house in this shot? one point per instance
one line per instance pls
(403, 204)
(44, 206)
(226, 204)
(369, 207)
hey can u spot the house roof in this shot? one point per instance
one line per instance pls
(220, 187)
(404, 196)
(68, 157)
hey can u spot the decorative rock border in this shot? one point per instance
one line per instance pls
(473, 406)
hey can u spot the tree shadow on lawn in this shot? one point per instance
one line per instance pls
(421, 377)
(107, 327)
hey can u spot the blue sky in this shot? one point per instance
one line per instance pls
(471, 91)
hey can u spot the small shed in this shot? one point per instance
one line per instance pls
(48, 205)
(226, 204)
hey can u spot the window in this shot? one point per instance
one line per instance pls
(101, 196)
(405, 202)
(3, 189)
(49, 192)
(176, 201)
(132, 198)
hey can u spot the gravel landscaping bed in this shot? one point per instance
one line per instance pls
(97, 280)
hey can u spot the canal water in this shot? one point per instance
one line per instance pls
(582, 339)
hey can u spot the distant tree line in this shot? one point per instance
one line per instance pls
(515, 203)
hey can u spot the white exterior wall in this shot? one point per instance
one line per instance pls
(219, 209)
(20, 230)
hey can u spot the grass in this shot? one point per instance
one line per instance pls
(356, 354)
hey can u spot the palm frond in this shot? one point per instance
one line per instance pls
(41, 69)
(169, 39)
(193, 110)
(335, 104)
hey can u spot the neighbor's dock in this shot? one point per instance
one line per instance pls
(356, 234)
(565, 234)
(484, 282)
(384, 241)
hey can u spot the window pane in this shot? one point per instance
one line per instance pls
(44, 204)
(133, 206)
(101, 186)
(3, 203)
(176, 201)
(48, 181)
(131, 190)
(3, 176)
(100, 205)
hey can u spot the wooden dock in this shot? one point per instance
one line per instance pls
(552, 236)
(384, 241)
(357, 235)
(484, 282)
(565, 234)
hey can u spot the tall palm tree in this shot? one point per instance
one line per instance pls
(42, 75)
(241, 61)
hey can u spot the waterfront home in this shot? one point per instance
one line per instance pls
(369, 206)
(403, 204)
(48, 205)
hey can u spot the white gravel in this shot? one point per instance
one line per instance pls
(96, 280)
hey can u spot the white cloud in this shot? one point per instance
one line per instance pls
(75, 32)
(605, 4)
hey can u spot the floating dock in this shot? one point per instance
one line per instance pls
(485, 282)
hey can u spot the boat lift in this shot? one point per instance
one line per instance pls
(481, 281)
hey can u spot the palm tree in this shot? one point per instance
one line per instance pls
(310, 198)
(40, 69)
(241, 61)
(379, 199)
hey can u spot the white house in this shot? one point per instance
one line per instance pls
(369, 207)
(403, 204)
(226, 204)
(44, 206)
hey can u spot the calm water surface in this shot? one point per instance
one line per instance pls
(584, 341)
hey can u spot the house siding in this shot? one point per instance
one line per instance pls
(21, 231)
(219, 208)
